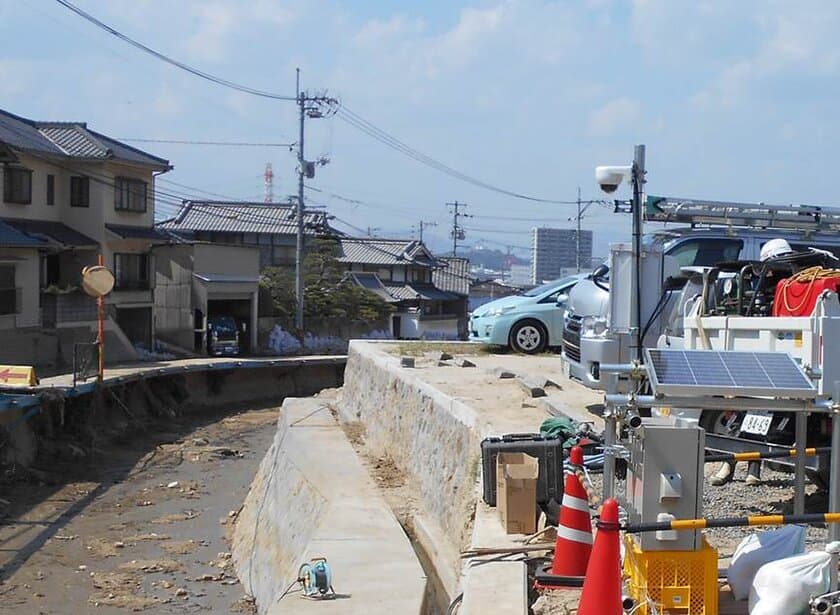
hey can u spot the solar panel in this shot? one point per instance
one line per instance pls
(732, 372)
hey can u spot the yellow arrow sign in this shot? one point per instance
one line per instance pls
(17, 375)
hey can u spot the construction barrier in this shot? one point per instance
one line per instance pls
(702, 524)
(756, 455)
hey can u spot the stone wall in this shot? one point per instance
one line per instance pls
(433, 438)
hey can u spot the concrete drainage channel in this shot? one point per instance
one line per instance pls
(381, 477)
(314, 495)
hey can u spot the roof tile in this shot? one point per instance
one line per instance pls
(219, 216)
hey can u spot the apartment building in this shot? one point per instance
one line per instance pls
(555, 253)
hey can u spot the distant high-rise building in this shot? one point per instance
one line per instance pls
(554, 253)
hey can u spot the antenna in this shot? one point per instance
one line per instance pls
(269, 183)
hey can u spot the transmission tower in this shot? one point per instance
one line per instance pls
(269, 183)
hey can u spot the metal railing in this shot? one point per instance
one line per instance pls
(85, 361)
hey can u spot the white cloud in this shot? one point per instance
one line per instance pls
(209, 41)
(616, 116)
(381, 32)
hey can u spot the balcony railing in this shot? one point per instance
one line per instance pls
(59, 308)
(131, 284)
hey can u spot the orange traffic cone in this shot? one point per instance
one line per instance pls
(602, 588)
(574, 535)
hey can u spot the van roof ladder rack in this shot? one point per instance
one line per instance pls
(812, 218)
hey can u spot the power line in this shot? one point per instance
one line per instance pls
(224, 196)
(354, 201)
(344, 113)
(164, 58)
(383, 137)
(220, 143)
(501, 231)
(503, 243)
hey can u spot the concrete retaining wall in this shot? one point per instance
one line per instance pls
(432, 437)
(312, 497)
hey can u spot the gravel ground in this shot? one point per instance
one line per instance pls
(773, 496)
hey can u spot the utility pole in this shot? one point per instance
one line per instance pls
(457, 231)
(299, 214)
(371, 230)
(577, 235)
(312, 106)
(424, 225)
(638, 177)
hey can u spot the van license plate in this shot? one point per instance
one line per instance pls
(757, 423)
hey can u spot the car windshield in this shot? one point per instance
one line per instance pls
(539, 290)
(222, 325)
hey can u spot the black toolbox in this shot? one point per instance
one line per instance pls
(549, 452)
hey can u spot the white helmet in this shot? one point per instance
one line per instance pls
(774, 249)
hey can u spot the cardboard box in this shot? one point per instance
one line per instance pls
(516, 492)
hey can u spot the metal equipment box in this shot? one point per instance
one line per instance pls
(549, 452)
(665, 476)
(623, 285)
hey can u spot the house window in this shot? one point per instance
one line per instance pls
(17, 185)
(419, 275)
(79, 191)
(50, 189)
(284, 255)
(131, 271)
(383, 273)
(8, 291)
(129, 194)
(50, 270)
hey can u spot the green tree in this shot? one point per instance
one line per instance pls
(330, 298)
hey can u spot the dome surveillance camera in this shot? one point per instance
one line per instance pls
(610, 178)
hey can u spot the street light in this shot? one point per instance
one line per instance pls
(609, 178)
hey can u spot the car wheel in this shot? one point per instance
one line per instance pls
(720, 422)
(528, 336)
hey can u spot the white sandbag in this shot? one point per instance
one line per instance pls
(786, 586)
(756, 550)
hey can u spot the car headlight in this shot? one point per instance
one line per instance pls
(593, 326)
(502, 310)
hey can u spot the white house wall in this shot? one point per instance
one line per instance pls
(26, 264)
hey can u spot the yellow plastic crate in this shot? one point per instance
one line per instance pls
(678, 582)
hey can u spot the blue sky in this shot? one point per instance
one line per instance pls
(735, 100)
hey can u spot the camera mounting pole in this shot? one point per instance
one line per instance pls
(638, 181)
